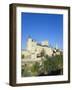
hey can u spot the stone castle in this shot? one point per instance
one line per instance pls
(33, 51)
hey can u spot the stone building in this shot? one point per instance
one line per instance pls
(34, 50)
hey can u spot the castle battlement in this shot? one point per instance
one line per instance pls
(34, 49)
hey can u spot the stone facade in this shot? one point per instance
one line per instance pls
(34, 49)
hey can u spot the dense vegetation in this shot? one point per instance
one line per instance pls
(48, 66)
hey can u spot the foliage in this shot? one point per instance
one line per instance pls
(52, 63)
(48, 65)
(35, 68)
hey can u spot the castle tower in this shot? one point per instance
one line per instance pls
(45, 43)
(29, 43)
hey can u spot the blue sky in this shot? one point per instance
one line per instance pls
(42, 27)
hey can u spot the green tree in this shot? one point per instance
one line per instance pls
(58, 60)
(52, 63)
(35, 68)
(47, 64)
